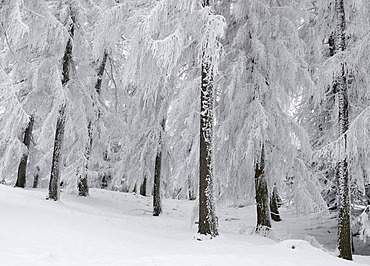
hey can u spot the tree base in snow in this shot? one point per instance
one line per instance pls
(201, 237)
(51, 198)
(265, 231)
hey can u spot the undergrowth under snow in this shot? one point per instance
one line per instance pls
(113, 228)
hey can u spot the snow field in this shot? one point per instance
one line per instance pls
(113, 228)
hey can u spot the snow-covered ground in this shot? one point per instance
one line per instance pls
(113, 228)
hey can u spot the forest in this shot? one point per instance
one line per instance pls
(217, 103)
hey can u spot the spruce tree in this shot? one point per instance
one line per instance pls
(54, 183)
(82, 181)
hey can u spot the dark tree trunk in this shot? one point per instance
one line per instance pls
(35, 180)
(331, 43)
(157, 205)
(54, 184)
(207, 217)
(344, 219)
(143, 188)
(82, 182)
(22, 169)
(36, 177)
(67, 58)
(83, 188)
(101, 73)
(262, 194)
(274, 205)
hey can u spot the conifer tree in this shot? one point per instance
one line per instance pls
(207, 216)
(338, 113)
(54, 183)
(82, 182)
(264, 65)
(157, 43)
(25, 61)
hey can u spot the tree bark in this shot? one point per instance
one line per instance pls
(54, 183)
(143, 187)
(36, 177)
(157, 205)
(83, 188)
(82, 182)
(262, 195)
(207, 217)
(101, 72)
(274, 205)
(67, 58)
(344, 219)
(22, 169)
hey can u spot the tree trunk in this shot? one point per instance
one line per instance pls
(22, 169)
(262, 195)
(36, 177)
(83, 188)
(274, 205)
(143, 188)
(101, 72)
(54, 184)
(344, 219)
(157, 205)
(207, 217)
(191, 193)
(82, 182)
(67, 58)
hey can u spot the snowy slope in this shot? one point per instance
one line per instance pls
(112, 228)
